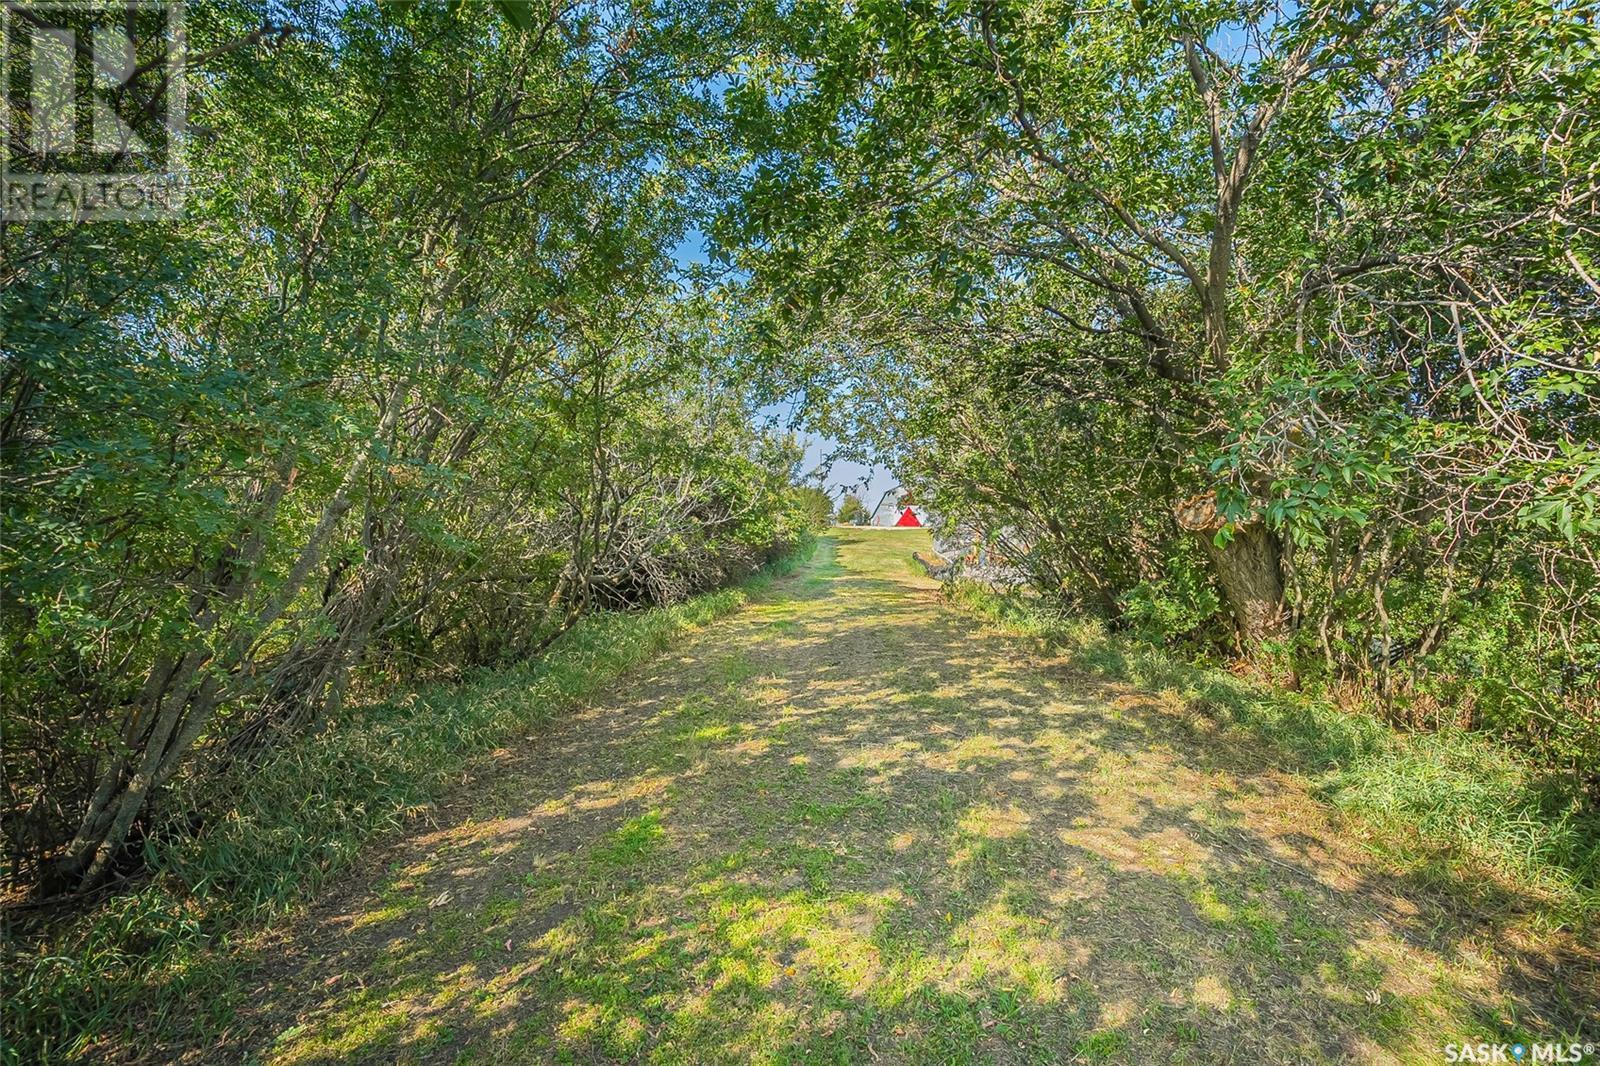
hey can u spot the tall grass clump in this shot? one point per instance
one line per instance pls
(1446, 804)
(269, 836)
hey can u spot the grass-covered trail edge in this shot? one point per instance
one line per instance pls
(847, 815)
(166, 953)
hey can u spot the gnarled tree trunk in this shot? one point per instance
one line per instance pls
(1248, 568)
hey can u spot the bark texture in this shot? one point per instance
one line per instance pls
(1248, 568)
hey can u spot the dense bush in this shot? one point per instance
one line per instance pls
(1274, 334)
(275, 831)
(412, 386)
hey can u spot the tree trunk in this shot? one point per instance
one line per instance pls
(183, 708)
(1248, 568)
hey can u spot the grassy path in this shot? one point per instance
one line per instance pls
(850, 824)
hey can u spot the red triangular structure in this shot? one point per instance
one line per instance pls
(908, 518)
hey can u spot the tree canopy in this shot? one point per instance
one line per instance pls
(1263, 325)
(414, 383)
(1265, 331)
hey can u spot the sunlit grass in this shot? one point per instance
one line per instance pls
(873, 831)
(1444, 802)
(304, 816)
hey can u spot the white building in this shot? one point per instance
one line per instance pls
(893, 507)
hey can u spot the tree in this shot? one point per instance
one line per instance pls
(852, 512)
(1331, 266)
(414, 383)
(815, 505)
(1115, 169)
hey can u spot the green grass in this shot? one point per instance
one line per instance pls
(846, 823)
(273, 838)
(1106, 1044)
(631, 843)
(1451, 807)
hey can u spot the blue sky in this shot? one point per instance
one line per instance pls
(846, 476)
(837, 476)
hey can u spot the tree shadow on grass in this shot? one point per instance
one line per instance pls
(846, 824)
(1474, 917)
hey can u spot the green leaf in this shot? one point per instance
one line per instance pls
(517, 12)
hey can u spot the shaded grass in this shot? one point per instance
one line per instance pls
(1449, 806)
(879, 830)
(272, 838)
